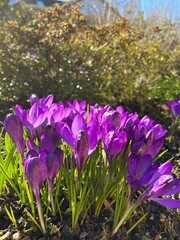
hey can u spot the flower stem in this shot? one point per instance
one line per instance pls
(41, 219)
(51, 199)
(52, 203)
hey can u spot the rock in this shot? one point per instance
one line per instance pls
(6, 235)
(26, 238)
(17, 236)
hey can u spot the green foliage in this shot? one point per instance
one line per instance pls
(56, 51)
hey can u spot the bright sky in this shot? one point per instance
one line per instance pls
(172, 7)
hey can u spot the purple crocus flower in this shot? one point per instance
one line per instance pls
(114, 142)
(34, 99)
(96, 112)
(54, 162)
(175, 107)
(32, 119)
(81, 148)
(14, 127)
(112, 117)
(49, 139)
(42, 102)
(146, 136)
(140, 170)
(35, 170)
(165, 185)
(80, 137)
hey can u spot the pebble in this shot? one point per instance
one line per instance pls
(6, 235)
(17, 236)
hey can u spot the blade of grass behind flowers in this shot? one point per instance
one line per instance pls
(160, 155)
(57, 190)
(69, 184)
(109, 181)
(140, 220)
(82, 195)
(12, 169)
(106, 188)
(7, 143)
(11, 216)
(78, 191)
(9, 164)
(30, 197)
(126, 216)
(11, 182)
(45, 202)
(33, 219)
(6, 163)
(121, 199)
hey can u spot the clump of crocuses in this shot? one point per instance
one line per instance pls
(61, 133)
(175, 107)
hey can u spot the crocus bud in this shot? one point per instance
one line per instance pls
(113, 117)
(54, 162)
(14, 128)
(34, 99)
(35, 170)
(81, 148)
(114, 142)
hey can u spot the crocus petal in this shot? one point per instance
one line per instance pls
(144, 163)
(58, 115)
(92, 140)
(14, 128)
(34, 112)
(35, 170)
(76, 105)
(78, 124)
(32, 146)
(81, 148)
(27, 122)
(40, 118)
(34, 99)
(169, 203)
(148, 174)
(174, 187)
(83, 104)
(161, 186)
(155, 147)
(19, 111)
(164, 169)
(65, 133)
(175, 107)
(48, 101)
(54, 162)
(132, 164)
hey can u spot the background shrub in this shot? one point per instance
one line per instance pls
(57, 51)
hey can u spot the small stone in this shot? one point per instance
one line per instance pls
(55, 238)
(26, 238)
(17, 236)
(83, 235)
(6, 235)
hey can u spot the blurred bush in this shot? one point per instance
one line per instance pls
(57, 51)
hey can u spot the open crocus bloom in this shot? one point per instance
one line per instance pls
(163, 184)
(140, 170)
